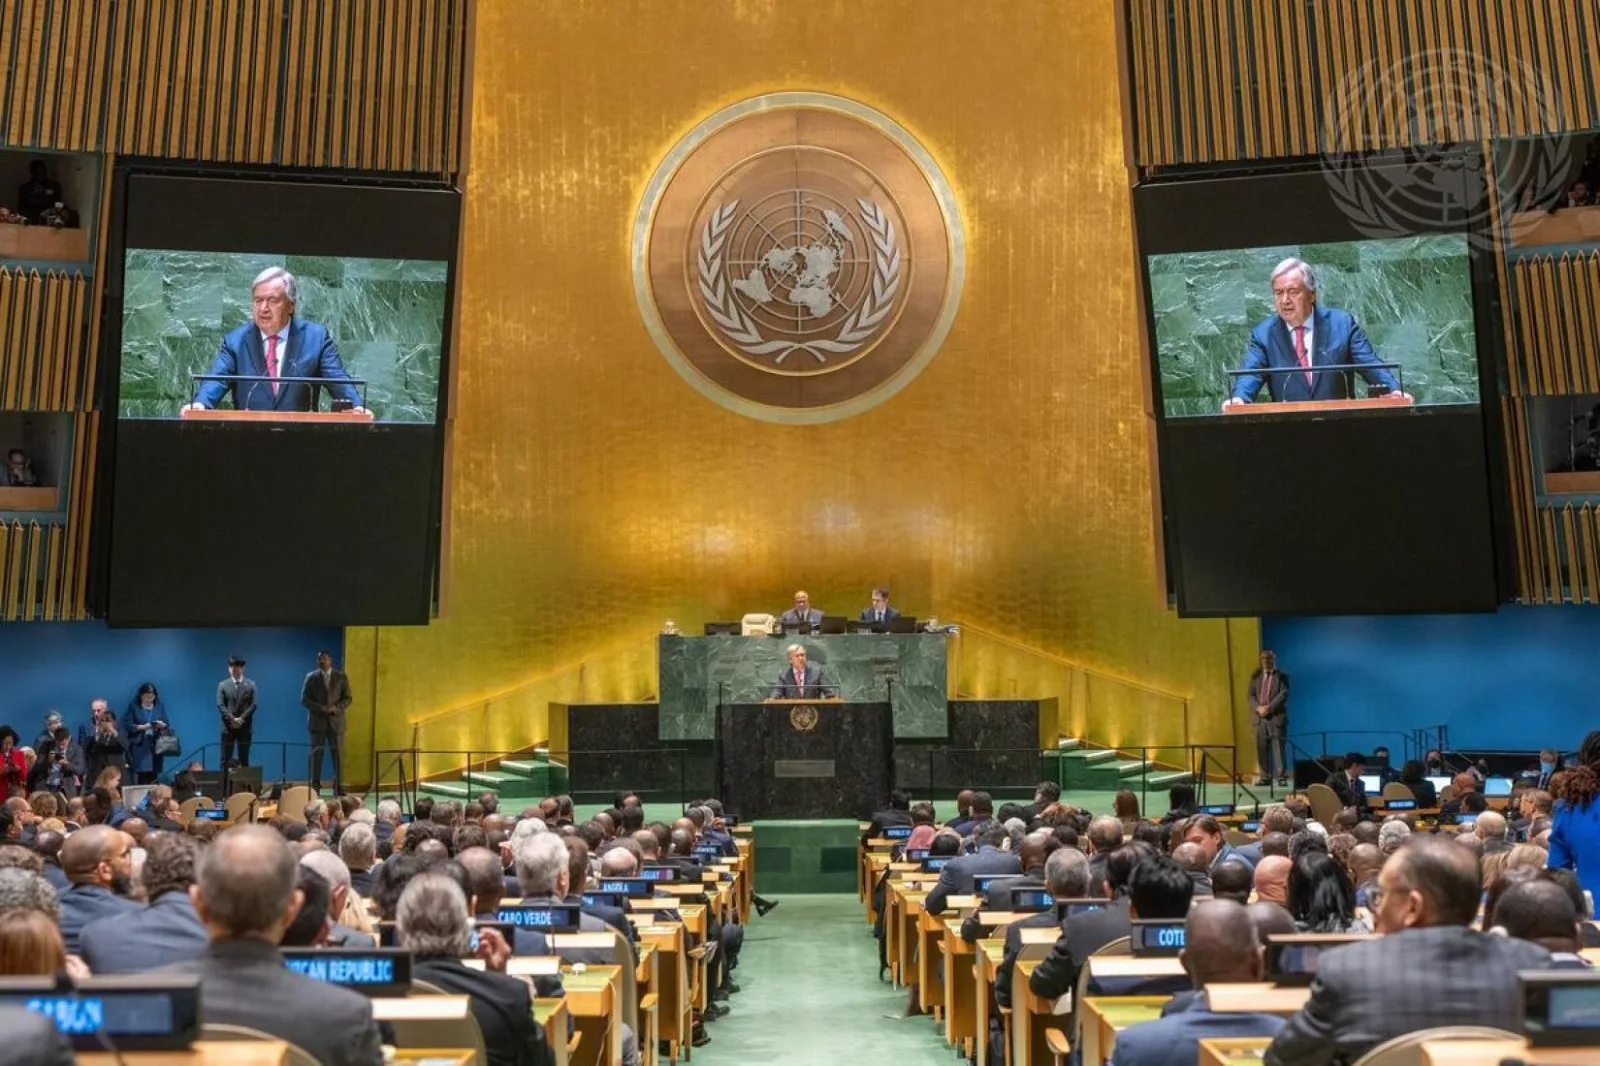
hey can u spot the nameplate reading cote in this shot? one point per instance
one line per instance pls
(802, 768)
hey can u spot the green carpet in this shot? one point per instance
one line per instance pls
(810, 994)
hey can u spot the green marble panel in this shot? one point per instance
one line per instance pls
(386, 317)
(698, 671)
(1412, 296)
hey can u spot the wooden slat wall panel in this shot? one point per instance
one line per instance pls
(42, 320)
(347, 84)
(1555, 311)
(1354, 75)
(54, 73)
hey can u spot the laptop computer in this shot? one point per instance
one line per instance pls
(903, 624)
(1497, 786)
(723, 629)
(832, 624)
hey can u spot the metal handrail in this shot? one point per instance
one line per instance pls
(405, 763)
(202, 754)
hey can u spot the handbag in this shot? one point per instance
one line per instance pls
(168, 744)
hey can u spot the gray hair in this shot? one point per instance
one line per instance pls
(23, 890)
(329, 865)
(540, 860)
(389, 810)
(1308, 274)
(791, 649)
(358, 846)
(1066, 871)
(362, 815)
(432, 917)
(291, 287)
(315, 808)
(247, 877)
(1392, 834)
(526, 830)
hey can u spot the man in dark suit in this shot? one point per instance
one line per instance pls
(1066, 871)
(1084, 934)
(432, 916)
(1372, 991)
(980, 808)
(246, 896)
(1220, 947)
(166, 931)
(1347, 784)
(1539, 776)
(325, 694)
(802, 613)
(274, 344)
(236, 706)
(486, 884)
(1275, 819)
(1305, 336)
(98, 861)
(59, 767)
(956, 878)
(802, 680)
(1206, 831)
(1002, 894)
(578, 882)
(358, 848)
(898, 812)
(1269, 711)
(880, 614)
(31, 1040)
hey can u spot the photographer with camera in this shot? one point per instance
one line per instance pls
(105, 746)
(60, 767)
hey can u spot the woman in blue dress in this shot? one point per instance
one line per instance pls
(144, 721)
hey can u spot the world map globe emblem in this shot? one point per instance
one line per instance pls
(798, 257)
(800, 274)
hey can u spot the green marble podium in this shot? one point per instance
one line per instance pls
(908, 670)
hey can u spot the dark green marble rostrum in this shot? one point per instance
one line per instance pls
(861, 664)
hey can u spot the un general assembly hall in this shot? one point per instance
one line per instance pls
(637, 532)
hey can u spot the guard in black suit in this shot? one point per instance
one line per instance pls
(325, 694)
(236, 706)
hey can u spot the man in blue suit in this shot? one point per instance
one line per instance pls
(97, 860)
(163, 933)
(275, 344)
(1304, 335)
(802, 681)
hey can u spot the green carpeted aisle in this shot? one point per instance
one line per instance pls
(810, 994)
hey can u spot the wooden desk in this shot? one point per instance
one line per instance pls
(553, 1016)
(203, 1053)
(1388, 401)
(1256, 999)
(646, 981)
(218, 414)
(29, 498)
(930, 964)
(1129, 966)
(1492, 1052)
(674, 1005)
(1101, 1018)
(1234, 1051)
(1031, 1015)
(595, 999)
(44, 242)
(437, 1056)
(960, 958)
(990, 954)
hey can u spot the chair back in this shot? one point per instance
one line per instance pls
(298, 1056)
(628, 963)
(1398, 790)
(187, 808)
(1325, 805)
(1407, 1050)
(755, 625)
(240, 806)
(439, 1032)
(1447, 793)
(1120, 946)
(292, 804)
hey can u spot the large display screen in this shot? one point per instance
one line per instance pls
(276, 349)
(346, 331)
(1378, 317)
(1319, 362)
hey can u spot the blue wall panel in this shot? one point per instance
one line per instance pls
(63, 666)
(1523, 677)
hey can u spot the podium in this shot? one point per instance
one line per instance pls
(804, 758)
(217, 414)
(1387, 401)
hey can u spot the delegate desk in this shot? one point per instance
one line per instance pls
(908, 671)
(203, 1053)
(30, 498)
(804, 758)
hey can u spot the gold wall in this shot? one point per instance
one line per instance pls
(595, 494)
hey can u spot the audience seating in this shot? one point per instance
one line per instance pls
(297, 1056)
(1325, 805)
(292, 804)
(187, 808)
(1398, 790)
(451, 1030)
(240, 806)
(1407, 1050)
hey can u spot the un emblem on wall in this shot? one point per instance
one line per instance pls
(798, 257)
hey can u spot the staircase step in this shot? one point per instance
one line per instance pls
(1068, 743)
(489, 779)
(1169, 778)
(452, 789)
(1129, 767)
(524, 767)
(1101, 756)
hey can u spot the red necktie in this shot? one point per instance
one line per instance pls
(272, 363)
(1300, 353)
